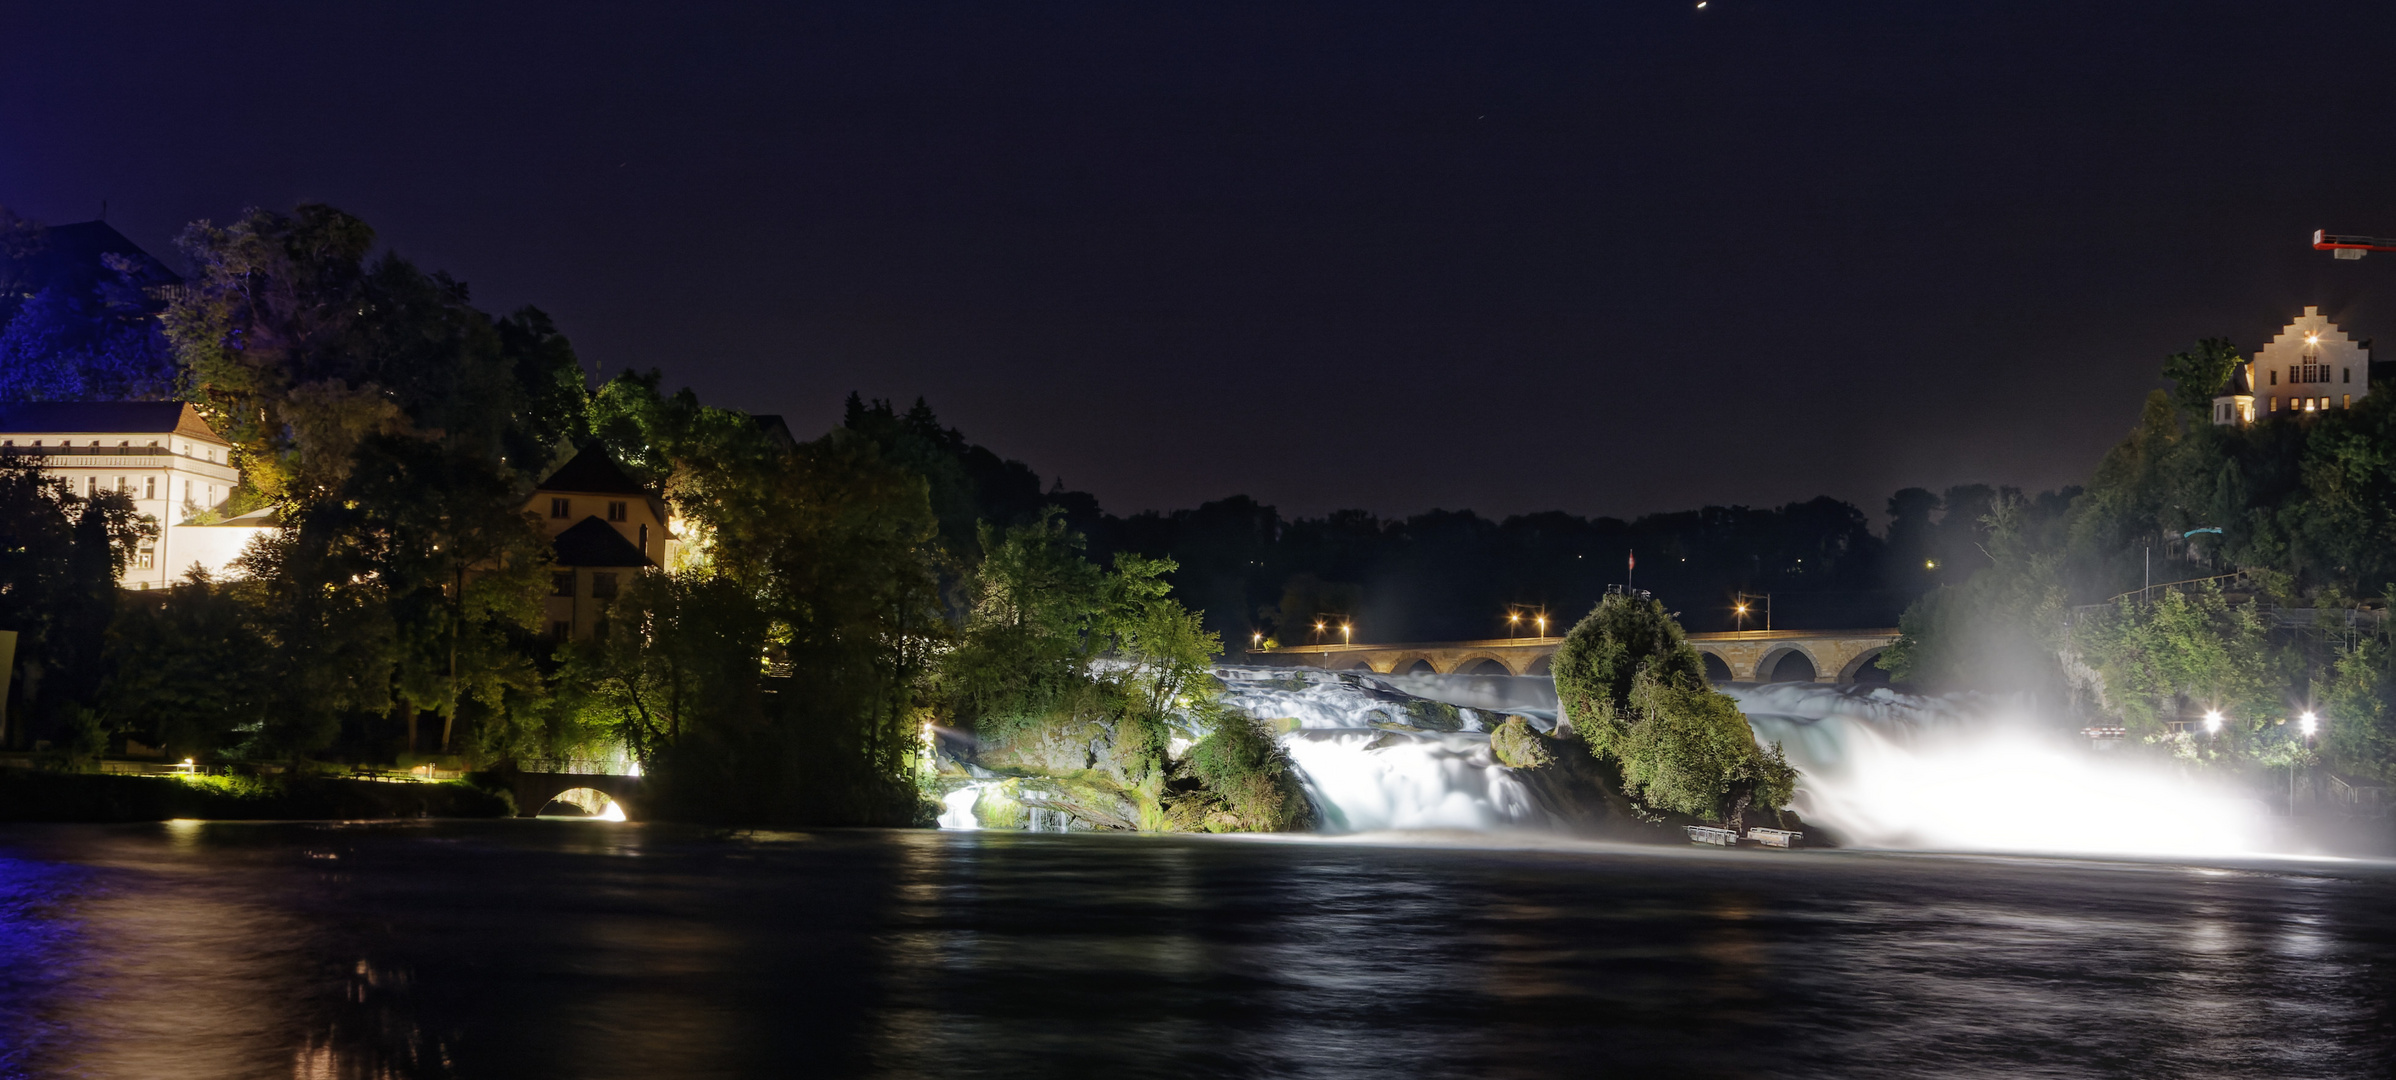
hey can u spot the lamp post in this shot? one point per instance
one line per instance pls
(1541, 619)
(1346, 633)
(1746, 601)
(1513, 624)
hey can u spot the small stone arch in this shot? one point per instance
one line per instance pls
(1358, 664)
(1716, 668)
(582, 802)
(1414, 665)
(1769, 669)
(1481, 665)
(1865, 668)
(1543, 666)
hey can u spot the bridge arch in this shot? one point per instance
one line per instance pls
(1541, 666)
(1479, 663)
(1865, 667)
(582, 802)
(1769, 669)
(1413, 665)
(534, 791)
(1716, 668)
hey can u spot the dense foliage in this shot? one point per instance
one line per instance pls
(1635, 693)
(2271, 547)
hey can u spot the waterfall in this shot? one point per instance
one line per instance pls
(1879, 768)
(959, 815)
(1959, 772)
(1373, 756)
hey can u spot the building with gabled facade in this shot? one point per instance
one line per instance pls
(605, 528)
(2312, 366)
(163, 455)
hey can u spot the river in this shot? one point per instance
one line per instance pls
(590, 949)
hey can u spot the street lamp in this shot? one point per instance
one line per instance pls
(2213, 722)
(2310, 723)
(1741, 610)
(1542, 621)
(1513, 623)
(1345, 631)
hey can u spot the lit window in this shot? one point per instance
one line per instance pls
(2346, 401)
(559, 508)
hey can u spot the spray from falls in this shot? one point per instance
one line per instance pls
(1878, 768)
(1374, 757)
(1887, 769)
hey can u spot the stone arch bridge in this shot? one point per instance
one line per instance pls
(1832, 656)
(534, 790)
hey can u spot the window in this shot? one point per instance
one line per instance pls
(149, 487)
(2275, 402)
(603, 586)
(2345, 374)
(559, 508)
(91, 486)
(121, 486)
(615, 511)
(146, 559)
(561, 630)
(561, 583)
(2275, 377)
(644, 539)
(2346, 401)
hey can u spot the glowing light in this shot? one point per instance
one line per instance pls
(2310, 723)
(2312, 339)
(633, 770)
(1930, 564)
(1514, 616)
(2212, 723)
(613, 811)
(1742, 609)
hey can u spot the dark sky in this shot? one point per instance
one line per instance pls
(1609, 257)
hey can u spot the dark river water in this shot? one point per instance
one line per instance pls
(577, 949)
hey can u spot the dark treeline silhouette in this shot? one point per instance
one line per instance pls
(1453, 574)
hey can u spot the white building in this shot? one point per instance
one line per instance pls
(162, 454)
(2312, 366)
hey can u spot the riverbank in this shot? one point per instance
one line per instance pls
(28, 795)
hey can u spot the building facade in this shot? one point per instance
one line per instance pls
(176, 468)
(606, 528)
(2312, 366)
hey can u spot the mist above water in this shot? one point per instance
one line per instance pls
(1880, 768)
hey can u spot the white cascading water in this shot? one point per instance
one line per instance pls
(1369, 763)
(1887, 769)
(1878, 767)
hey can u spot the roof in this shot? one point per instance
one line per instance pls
(592, 542)
(72, 253)
(2240, 383)
(592, 471)
(776, 429)
(130, 417)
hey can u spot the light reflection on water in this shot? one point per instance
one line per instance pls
(505, 949)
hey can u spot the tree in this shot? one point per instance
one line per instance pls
(61, 556)
(2198, 375)
(1634, 691)
(187, 667)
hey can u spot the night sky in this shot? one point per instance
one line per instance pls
(1607, 257)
